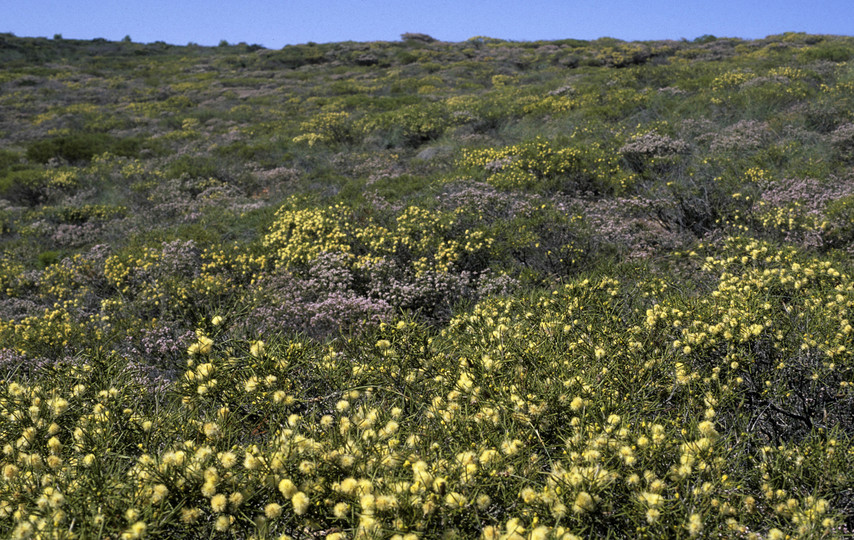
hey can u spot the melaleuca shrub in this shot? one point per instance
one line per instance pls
(651, 149)
(842, 142)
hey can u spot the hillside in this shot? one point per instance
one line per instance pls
(420, 289)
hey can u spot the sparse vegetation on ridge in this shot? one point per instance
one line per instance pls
(419, 289)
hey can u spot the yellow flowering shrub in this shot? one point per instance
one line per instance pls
(329, 127)
(423, 239)
(297, 236)
(540, 164)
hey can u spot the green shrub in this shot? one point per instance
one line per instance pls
(193, 166)
(329, 128)
(8, 158)
(28, 186)
(828, 50)
(410, 125)
(840, 219)
(81, 147)
(81, 214)
(47, 258)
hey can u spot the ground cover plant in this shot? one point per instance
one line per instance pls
(419, 289)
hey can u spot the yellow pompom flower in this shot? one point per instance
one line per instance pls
(300, 501)
(695, 525)
(273, 510)
(228, 459)
(707, 428)
(540, 533)
(159, 493)
(190, 515)
(528, 495)
(218, 503)
(515, 529)
(211, 430)
(222, 523)
(776, 534)
(287, 488)
(455, 500)
(137, 530)
(583, 503)
(205, 345)
(341, 510)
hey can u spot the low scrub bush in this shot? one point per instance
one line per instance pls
(81, 147)
(651, 150)
(842, 142)
(541, 165)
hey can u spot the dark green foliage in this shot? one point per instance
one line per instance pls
(47, 258)
(8, 158)
(81, 147)
(27, 186)
(832, 51)
(840, 214)
(193, 167)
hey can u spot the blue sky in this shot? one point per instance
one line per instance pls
(275, 23)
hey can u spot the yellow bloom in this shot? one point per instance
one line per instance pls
(211, 430)
(515, 529)
(455, 500)
(228, 459)
(190, 515)
(583, 503)
(540, 533)
(251, 462)
(222, 523)
(695, 525)
(341, 510)
(490, 533)
(273, 510)
(58, 406)
(528, 495)
(287, 488)
(137, 530)
(300, 501)
(651, 499)
(386, 502)
(159, 493)
(218, 503)
(257, 349)
(208, 489)
(205, 345)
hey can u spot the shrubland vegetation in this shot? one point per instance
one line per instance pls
(417, 289)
